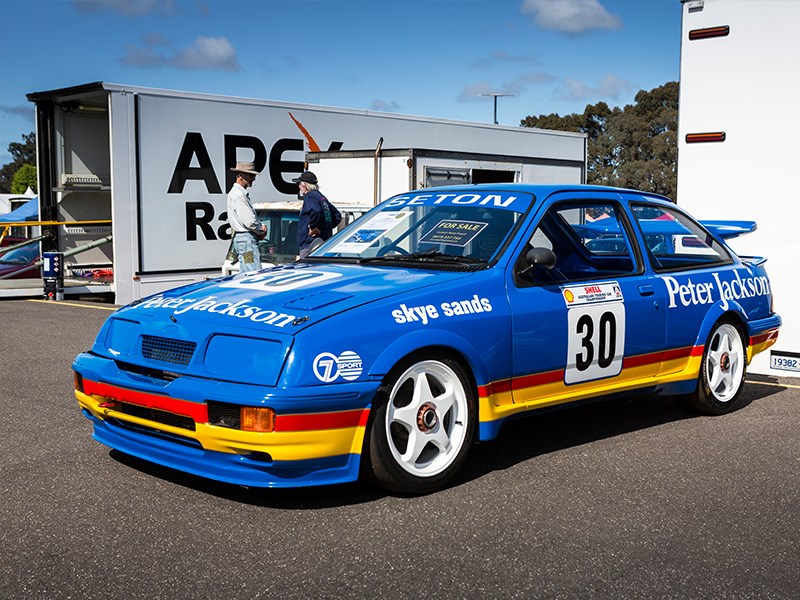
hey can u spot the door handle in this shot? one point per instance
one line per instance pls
(646, 290)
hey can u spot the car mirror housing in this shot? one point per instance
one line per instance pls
(542, 258)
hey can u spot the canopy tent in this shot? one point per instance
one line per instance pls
(27, 212)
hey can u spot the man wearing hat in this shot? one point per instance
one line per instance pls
(246, 229)
(318, 218)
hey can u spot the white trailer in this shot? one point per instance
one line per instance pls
(156, 164)
(371, 176)
(9, 202)
(737, 152)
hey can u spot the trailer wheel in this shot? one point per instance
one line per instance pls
(722, 373)
(423, 426)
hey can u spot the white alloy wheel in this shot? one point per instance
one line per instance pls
(427, 419)
(722, 372)
(725, 363)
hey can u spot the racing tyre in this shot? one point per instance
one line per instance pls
(721, 373)
(422, 427)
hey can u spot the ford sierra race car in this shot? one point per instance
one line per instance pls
(422, 327)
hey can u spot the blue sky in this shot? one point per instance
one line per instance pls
(419, 57)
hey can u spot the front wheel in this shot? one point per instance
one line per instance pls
(422, 427)
(721, 373)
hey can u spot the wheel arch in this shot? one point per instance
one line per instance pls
(734, 314)
(418, 343)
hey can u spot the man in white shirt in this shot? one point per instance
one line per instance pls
(246, 229)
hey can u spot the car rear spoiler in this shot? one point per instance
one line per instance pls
(723, 229)
(729, 229)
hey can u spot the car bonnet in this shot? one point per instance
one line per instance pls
(285, 299)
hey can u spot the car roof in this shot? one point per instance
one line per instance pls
(542, 190)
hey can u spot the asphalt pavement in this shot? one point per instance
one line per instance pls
(629, 498)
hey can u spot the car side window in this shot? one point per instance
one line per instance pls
(589, 240)
(675, 241)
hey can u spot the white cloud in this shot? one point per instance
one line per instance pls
(380, 105)
(143, 57)
(155, 39)
(501, 56)
(128, 7)
(215, 53)
(513, 87)
(571, 16)
(205, 53)
(473, 91)
(610, 87)
(24, 111)
(520, 83)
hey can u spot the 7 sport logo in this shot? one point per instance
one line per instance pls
(329, 367)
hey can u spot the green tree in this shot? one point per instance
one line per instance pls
(634, 147)
(23, 179)
(23, 154)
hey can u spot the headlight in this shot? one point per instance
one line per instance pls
(248, 360)
(121, 337)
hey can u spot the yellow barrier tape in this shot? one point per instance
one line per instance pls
(41, 223)
(783, 385)
(62, 303)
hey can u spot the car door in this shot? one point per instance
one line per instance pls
(693, 270)
(594, 322)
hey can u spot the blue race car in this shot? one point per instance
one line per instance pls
(420, 328)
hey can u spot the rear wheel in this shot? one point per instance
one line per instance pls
(721, 373)
(422, 426)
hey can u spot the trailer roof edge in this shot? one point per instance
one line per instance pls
(101, 86)
(96, 86)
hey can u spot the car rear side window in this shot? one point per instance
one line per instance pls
(675, 242)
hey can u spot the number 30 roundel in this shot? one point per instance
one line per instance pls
(596, 343)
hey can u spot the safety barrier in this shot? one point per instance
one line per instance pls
(70, 252)
(33, 240)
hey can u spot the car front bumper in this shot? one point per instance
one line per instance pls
(317, 437)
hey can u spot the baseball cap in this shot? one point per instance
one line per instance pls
(307, 177)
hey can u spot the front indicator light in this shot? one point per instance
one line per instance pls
(78, 380)
(257, 419)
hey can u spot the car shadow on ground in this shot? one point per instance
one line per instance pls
(519, 440)
(530, 436)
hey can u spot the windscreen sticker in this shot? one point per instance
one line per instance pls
(502, 200)
(593, 293)
(374, 229)
(451, 232)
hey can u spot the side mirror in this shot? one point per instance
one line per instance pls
(541, 258)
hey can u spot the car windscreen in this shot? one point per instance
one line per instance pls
(467, 227)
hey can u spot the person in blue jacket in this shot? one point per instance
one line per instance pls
(318, 218)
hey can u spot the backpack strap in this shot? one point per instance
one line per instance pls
(326, 210)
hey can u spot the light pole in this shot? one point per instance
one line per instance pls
(496, 95)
